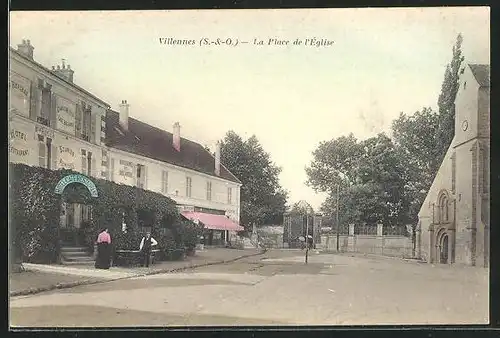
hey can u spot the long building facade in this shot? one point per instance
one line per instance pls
(454, 220)
(56, 124)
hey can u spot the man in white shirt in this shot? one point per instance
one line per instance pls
(145, 247)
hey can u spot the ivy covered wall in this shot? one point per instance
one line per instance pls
(35, 210)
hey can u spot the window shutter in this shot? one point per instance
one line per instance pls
(92, 128)
(54, 156)
(42, 147)
(94, 170)
(78, 120)
(52, 112)
(145, 177)
(84, 162)
(111, 169)
(166, 182)
(35, 93)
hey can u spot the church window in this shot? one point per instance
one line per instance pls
(443, 209)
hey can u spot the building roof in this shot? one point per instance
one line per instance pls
(148, 141)
(481, 73)
(59, 77)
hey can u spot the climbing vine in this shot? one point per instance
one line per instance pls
(35, 212)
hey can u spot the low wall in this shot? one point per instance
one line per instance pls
(397, 246)
(271, 241)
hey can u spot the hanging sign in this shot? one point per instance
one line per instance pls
(66, 158)
(126, 172)
(65, 112)
(44, 131)
(19, 94)
(76, 178)
(18, 145)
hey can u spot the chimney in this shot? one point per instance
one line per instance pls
(64, 71)
(124, 112)
(177, 136)
(217, 158)
(26, 49)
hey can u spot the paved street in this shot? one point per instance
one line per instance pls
(272, 289)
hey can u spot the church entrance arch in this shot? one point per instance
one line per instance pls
(443, 252)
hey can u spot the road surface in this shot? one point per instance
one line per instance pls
(274, 289)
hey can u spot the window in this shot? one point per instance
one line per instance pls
(44, 114)
(443, 209)
(229, 195)
(209, 191)
(164, 182)
(42, 149)
(188, 186)
(86, 124)
(104, 164)
(86, 212)
(49, 152)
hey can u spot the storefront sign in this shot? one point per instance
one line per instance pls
(65, 111)
(19, 94)
(18, 144)
(41, 130)
(76, 178)
(66, 158)
(126, 169)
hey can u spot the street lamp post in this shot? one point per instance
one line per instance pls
(337, 219)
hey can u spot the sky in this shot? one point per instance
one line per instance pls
(292, 97)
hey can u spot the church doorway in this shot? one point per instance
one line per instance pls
(443, 252)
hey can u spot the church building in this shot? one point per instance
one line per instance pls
(454, 219)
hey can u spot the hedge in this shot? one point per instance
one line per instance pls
(35, 214)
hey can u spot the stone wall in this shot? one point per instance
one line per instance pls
(387, 245)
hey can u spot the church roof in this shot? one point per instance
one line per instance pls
(481, 73)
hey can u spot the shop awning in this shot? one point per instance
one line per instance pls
(215, 222)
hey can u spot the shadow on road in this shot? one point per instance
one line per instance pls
(92, 316)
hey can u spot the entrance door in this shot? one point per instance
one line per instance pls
(444, 249)
(71, 219)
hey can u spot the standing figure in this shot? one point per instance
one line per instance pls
(103, 260)
(146, 243)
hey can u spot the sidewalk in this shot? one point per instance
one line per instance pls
(38, 277)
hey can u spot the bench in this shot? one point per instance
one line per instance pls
(131, 257)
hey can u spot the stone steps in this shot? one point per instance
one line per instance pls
(72, 255)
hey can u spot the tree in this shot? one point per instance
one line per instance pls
(370, 175)
(446, 100)
(262, 200)
(333, 163)
(415, 141)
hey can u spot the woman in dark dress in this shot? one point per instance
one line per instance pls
(103, 259)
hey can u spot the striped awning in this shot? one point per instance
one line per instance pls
(215, 222)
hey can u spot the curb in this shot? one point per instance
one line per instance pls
(361, 254)
(96, 280)
(411, 260)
